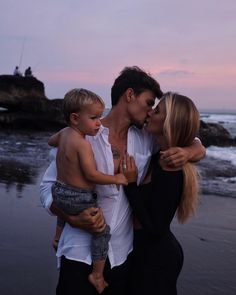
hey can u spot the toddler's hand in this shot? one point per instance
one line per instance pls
(121, 179)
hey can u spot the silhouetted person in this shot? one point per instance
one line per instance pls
(17, 72)
(28, 72)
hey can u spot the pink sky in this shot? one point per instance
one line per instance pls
(188, 46)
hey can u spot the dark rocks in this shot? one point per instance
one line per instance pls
(212, 168)
(215, 134)
(26, 106)
(20, 84)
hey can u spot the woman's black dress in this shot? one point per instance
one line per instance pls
(157, 257)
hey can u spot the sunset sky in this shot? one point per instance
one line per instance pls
(189, 46)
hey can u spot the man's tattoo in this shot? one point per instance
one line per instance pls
(115, 153)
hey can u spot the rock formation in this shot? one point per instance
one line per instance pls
(25, 105)
(215, 134)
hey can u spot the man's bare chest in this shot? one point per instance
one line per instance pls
(118, 149)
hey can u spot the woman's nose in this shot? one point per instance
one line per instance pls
(150, 112)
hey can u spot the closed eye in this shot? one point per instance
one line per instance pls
(95, 117)
(150, 103)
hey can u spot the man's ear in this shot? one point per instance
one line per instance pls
(129, 94)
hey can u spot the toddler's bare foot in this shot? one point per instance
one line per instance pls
(97, 280)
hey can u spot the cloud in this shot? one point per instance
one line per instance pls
(176, 73)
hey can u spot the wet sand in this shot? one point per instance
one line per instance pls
(209, 244)
(27, 261)
(28, 264)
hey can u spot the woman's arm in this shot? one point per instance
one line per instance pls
(155, 204)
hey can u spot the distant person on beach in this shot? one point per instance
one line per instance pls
(133, 96)
(28, 72)
(17, 72)
(77, 175)
(157, 256)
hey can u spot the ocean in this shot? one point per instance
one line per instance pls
(218, 169)
(24, 155)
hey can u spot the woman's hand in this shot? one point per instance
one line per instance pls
(128, 168)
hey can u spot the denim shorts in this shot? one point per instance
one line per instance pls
(74, 200)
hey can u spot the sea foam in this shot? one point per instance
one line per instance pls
(222, 153)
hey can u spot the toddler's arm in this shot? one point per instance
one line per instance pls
(88, 166)
(54, 139)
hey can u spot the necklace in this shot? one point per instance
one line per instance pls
(118, 146)
(115, 152)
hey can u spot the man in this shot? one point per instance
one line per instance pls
(133, 95)
(17, 72)
(28, 72)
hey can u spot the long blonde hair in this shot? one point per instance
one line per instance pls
(180, 128)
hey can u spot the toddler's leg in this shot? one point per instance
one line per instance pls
(99, 254)
(96, 277)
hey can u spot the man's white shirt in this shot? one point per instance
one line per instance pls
(75, 244)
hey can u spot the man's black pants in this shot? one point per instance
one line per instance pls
(73, 278)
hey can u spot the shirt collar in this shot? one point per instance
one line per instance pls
(105, 131)
(102, 130)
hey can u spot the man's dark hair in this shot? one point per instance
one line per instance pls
(135, 78)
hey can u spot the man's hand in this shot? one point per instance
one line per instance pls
(175, 157)
(91, 220)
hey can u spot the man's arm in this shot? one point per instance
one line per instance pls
(47, 181)
(90, 219)
(177, 156)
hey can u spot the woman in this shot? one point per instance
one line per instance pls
(157, 255)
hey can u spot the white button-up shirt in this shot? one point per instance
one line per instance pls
(75, 243)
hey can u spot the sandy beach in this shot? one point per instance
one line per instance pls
(28, 264)
(209, 243)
